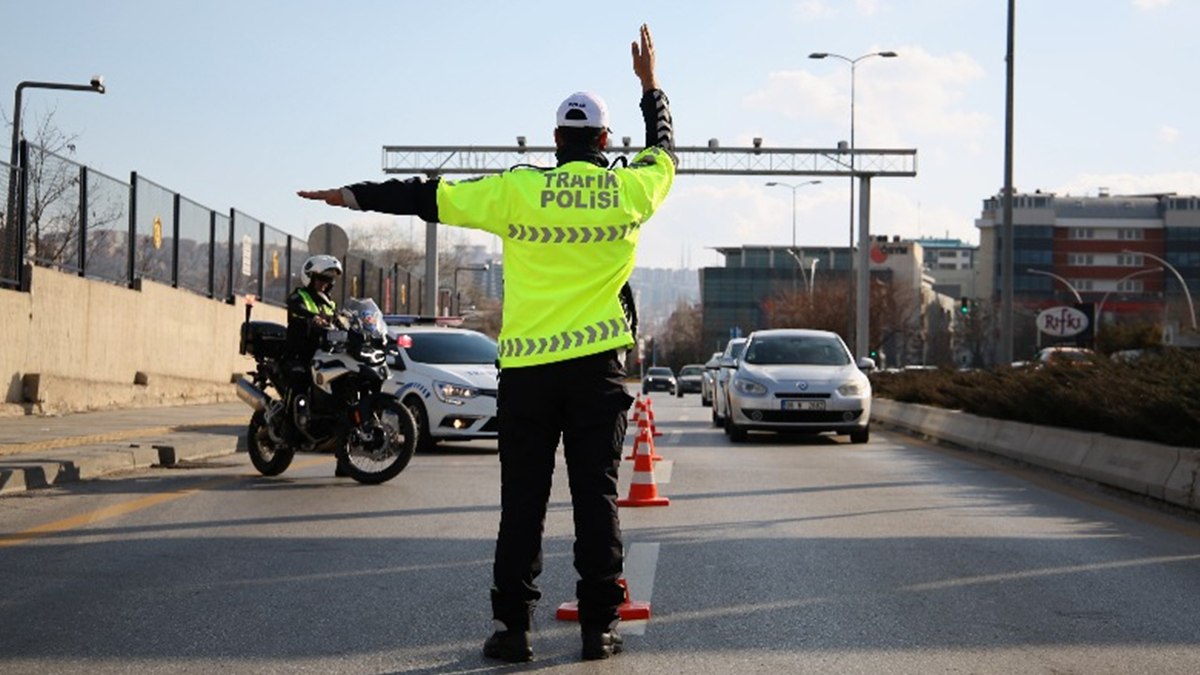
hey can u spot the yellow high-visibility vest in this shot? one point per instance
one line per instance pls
(569, 239)
(324, 308)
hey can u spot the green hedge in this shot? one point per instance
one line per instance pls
(1154, 398)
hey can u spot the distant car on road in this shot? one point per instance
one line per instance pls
(708, 384)
(690, 379)
(1070, 355)
(729, 357)
(791, 379)
(658, 378)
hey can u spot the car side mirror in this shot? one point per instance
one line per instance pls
(866, 364)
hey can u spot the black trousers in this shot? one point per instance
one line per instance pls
(582, 401)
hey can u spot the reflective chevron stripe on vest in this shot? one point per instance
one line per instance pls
(565, 340)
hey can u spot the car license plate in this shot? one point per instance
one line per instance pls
(803, 404)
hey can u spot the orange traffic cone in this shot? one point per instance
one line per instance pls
(638, 407)
(642, 490)
(628, 610)
(650, 415)
(643, 424)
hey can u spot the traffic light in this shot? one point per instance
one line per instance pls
(964, 306)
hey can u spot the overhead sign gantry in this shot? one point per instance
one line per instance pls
(710, 160)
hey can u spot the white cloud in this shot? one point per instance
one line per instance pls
(1168, 134)
(813, 9)
(1182, 182)
(867, 7)
(898, 102)
(1148, 5)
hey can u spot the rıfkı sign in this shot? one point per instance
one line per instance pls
(1062, 321)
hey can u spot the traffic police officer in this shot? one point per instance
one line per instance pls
(569, 235)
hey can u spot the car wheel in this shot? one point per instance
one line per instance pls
(678, 392)
(862, 436)
(716, 421)
(425, 442)
(704, 401)
(736, 433)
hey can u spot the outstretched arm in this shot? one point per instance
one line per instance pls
(412, 197)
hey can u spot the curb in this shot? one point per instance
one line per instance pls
(1163, 472)
(19, 473)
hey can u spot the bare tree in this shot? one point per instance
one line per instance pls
(681, 341)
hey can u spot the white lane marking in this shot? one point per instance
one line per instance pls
(641, 561)
(672, 437)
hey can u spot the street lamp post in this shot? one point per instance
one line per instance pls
(793, 188)
(17, 236)
(1066, 283)
(1100, 307)
(465, 268)
(1186, 293)
(96, 85)
(861, 300)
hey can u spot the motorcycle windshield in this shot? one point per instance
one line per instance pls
(368, 316)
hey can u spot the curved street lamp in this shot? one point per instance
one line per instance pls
(1186, 292)
(1100, 307)
(793, 188)
(861, 298)
(16, 236)
(1064, 281)
(465, 268)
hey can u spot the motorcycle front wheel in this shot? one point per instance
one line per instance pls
(385, 446)
(269, 457)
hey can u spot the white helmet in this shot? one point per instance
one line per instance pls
(320, 265)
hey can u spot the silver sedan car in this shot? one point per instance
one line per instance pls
(799, 381)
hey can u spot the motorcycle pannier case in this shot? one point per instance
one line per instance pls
(263, 339)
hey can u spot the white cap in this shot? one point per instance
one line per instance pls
(583, 109)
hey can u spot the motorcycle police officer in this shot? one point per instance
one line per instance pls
(310, 313)
(570, 234)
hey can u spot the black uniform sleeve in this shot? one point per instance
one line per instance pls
(412, 197)
(656, 113)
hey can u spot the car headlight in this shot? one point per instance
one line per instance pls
(855, 388)
(454, 394)
(749, 387)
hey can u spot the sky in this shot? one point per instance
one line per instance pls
(241, 103)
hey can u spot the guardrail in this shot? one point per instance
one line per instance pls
(66, 216)
(1164, 472)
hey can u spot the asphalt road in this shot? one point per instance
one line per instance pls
(781, 555)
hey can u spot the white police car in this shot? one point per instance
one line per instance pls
(447, 377)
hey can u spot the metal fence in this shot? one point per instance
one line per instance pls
(64, 215)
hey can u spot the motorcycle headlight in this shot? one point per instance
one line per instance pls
(855, 388)
(454, 394)
(749, 387)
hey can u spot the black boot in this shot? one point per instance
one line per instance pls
(340, 471)
(509, 645)
(601, 644)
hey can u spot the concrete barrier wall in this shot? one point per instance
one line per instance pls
(1161, 471)
(74, 344)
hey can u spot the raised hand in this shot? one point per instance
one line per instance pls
(643, 59)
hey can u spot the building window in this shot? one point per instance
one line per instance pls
(1082, 284)
(1080, 259)
(1130, 234)
(1130, 260)
(1130, 286)
(1082, 233)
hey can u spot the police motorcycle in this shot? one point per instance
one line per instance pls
(350, 408)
